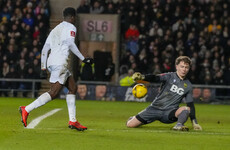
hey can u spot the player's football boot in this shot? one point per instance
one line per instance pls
(24, 115)
(179, 127)
(77, 125)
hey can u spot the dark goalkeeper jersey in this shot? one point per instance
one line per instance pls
(172, 91)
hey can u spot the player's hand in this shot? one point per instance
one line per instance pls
(43, 74)
(196, 126)
(138, 76)
(88, 61)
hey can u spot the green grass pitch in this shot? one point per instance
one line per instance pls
(107, 130)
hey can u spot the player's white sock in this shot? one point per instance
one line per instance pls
(70, 100)
(41, 100)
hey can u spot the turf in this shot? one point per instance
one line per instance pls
(107, 130)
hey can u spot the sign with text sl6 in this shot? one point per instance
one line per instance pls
(97, 26)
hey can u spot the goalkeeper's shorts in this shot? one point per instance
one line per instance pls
(58, 74)
(151, 114)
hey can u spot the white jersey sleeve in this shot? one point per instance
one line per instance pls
(71, 42)
(75, 50)
(44, 55)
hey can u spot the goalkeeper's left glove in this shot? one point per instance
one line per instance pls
(195, 125)
(138, 76)
(88, 61)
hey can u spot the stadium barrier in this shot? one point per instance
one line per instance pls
(10, 86)
(106, 91)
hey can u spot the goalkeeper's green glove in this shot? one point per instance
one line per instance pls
(138, 76)
(195, 125)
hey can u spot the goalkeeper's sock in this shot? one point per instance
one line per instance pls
(41, 100)
(70, 100)
(182, 117)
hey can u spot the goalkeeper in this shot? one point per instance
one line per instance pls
(165, 107)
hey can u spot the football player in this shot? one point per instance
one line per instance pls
(165, 106)
(60, 41)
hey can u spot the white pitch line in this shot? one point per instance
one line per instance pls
(164, 131)
(148, 131)
(37, 120)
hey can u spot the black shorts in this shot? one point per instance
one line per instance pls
(151, 114)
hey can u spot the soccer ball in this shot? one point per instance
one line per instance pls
(139, 90)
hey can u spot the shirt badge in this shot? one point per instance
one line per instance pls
(174, 80)
(185, 85)
(72, 33)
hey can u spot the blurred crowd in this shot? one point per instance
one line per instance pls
(155, 32)
(24, 25)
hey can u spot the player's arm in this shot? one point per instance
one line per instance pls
(72, 46)
(75, 50)
(192, 115)
(138, 77)
(44, 56)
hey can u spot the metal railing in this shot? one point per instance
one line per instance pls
(32, 90)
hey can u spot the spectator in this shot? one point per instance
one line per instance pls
(126, 78)
(5, 71)
(109, 9)
(109, 71)
(12, 85)
(37, 68)
(131, 36)
(22, 68)
(97, 8)
(11, 55)
(214, 26)
(22, 71)
(83, 8)
(87, 72)
(28, 85)
(5, 14)
(28, 20)
(143, 61)
(36, 32)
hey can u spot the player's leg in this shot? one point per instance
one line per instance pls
(146, 116)
(70, 100)
(133, 122)
(45, 97)
(56, 80)
(41, 100)
(182, 114)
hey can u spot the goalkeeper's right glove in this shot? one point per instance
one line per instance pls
(43, 74)
(138, 76)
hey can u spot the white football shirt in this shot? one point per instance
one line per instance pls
(60, 40)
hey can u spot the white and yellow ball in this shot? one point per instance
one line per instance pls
(139, 90)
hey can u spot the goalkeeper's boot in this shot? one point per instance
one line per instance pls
(180, 127)
(24, 115)
(77, 125)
